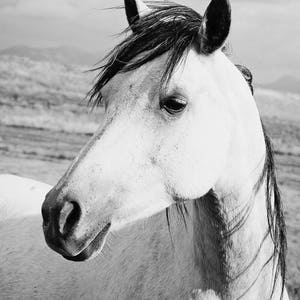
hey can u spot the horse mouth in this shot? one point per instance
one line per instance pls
(95, 246)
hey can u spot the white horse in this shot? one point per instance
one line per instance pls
(181, 135)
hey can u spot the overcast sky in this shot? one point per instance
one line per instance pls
(265, 33)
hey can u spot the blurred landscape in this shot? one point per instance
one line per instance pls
(44, 121)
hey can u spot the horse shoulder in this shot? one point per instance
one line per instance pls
(20, 196)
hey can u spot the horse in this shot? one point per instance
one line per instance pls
(175, 192)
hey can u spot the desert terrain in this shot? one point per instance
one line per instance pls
(44, 121)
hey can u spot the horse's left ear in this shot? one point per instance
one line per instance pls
(215, 26)
(135, 9)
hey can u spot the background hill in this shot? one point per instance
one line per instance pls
(64, 54)
(68, 55)
(45, 95)
(32, 91)
(288, 84)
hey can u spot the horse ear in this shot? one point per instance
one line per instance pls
(215, 26)
(135, 9)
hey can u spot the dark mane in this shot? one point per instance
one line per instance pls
(171, 29)
(276, 221)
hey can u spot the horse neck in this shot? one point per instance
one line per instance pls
(233, 247)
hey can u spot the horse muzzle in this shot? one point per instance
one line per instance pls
(62, 219)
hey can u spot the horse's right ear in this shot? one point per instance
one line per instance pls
(135, 9)
(215, 26)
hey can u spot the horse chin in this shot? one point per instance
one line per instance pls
(94, 247)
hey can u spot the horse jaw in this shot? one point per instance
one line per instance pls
(247, 146)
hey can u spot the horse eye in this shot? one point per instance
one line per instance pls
(173, 105)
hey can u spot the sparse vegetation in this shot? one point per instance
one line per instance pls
(45, 95)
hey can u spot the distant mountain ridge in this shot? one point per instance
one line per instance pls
(288, 84)
(64, 54)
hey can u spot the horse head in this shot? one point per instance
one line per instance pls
(178, 120)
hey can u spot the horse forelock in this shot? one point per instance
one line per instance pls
(171, 29)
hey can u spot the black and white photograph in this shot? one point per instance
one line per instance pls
(150, 150)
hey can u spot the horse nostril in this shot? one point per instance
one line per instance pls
(69, 216)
